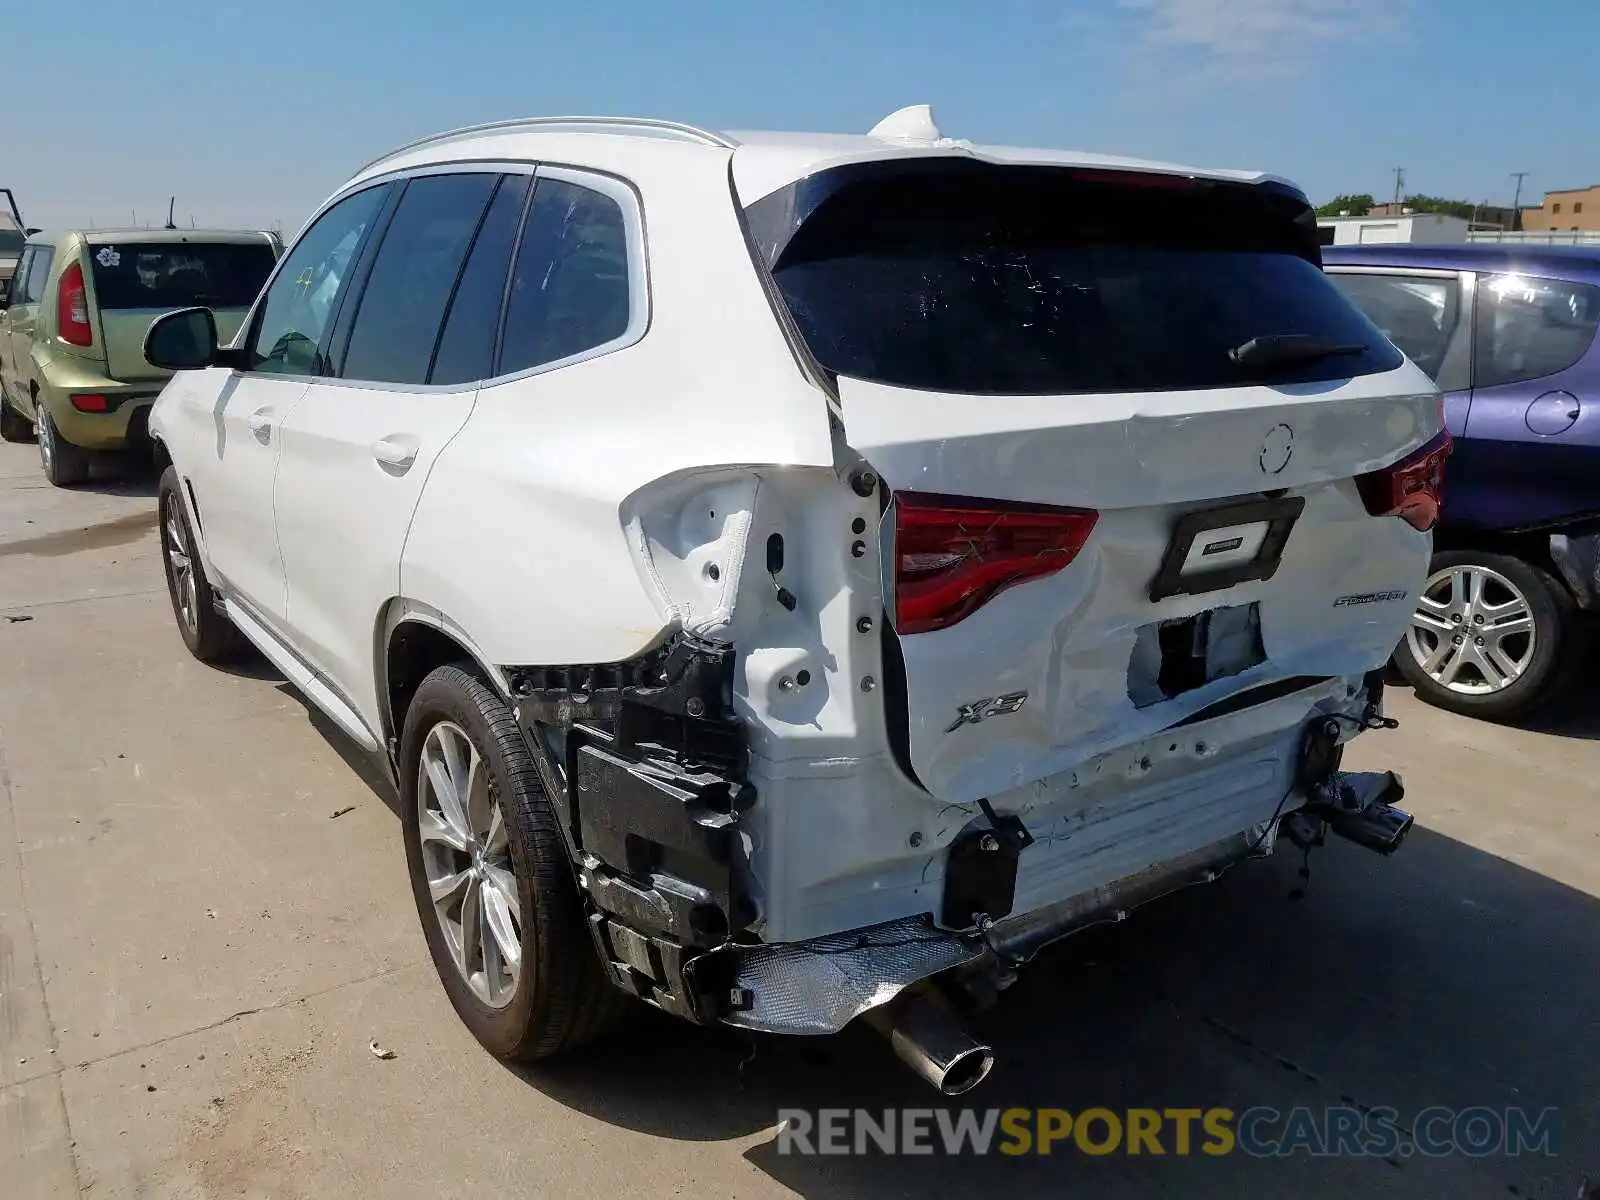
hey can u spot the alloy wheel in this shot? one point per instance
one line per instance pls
(180, 564)
(466, 856)
(46, 434)
(1473, 632)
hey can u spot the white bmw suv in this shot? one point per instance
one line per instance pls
(793, 578)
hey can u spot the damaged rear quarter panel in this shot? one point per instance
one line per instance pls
(518, 537)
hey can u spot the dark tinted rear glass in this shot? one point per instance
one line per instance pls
(421, 256)
(179, 274)
(466, 347)
(1026, 280)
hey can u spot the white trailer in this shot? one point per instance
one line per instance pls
(1411, 227)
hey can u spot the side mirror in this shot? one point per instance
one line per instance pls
(185, 340)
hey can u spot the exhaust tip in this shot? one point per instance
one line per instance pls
(1406, 821)
(931, 1040)
(1380, 828)
(967, 1071)
(1366, 815)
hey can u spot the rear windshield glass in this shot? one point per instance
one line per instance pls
(1025, 280)
(179, 274)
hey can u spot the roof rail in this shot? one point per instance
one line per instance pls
(637, 126)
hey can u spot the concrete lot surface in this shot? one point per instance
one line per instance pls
(195, 954)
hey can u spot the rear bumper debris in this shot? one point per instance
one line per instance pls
(820, 986)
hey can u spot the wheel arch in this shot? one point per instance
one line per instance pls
(1532, 548)
(411, 640)
(161, 455)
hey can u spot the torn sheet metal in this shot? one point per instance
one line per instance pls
(1177, 656)
(820, 986)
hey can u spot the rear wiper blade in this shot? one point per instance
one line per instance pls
(1272, 350)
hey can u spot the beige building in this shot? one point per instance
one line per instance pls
(1572, 209)
(1484, 216)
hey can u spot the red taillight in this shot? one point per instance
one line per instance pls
(89, 402)
(72, 309)
(1412, 489)
(954, 554)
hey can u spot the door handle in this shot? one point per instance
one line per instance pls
(398, 450)
(260, 423)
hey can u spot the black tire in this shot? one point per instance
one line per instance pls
(1556, 652)
(64, 464)
(14, 427)
(562, 998)
(208, 634)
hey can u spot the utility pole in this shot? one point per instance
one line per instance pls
(1399, 183)
(1516, 201)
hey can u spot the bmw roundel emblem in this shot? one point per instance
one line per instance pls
(1277, 449)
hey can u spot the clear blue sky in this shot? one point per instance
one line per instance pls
(253, 113)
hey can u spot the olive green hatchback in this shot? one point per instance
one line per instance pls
(72, 367)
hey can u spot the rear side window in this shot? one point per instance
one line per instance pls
(971, 278)
(178, 274)
(1418, 313)
(413, 276)
(1528, 328)
(569, 288)
(466, 347)
(19, 276)
(32, 285)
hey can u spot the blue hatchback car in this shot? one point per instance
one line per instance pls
(1508, 333)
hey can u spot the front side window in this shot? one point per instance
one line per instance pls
(1418, 313)
(570, 290)
(299, 303)
(403, 303)
(1529, 328)
(969, 278)
(168, 275)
